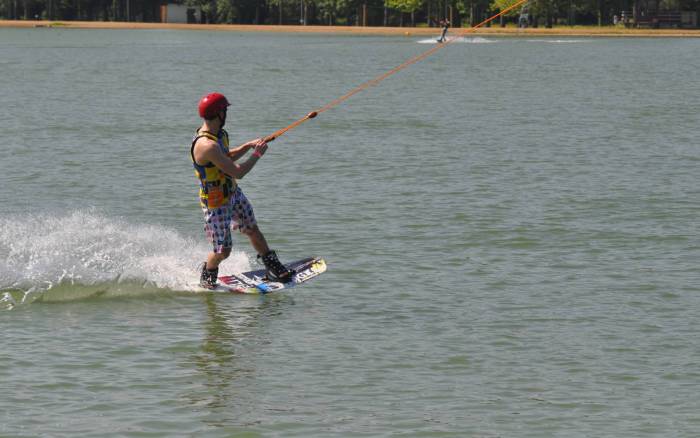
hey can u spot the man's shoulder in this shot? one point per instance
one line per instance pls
(204, 149)
(203, 141)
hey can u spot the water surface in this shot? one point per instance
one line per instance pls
(510, 226)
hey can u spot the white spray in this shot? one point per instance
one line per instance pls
(40, 252)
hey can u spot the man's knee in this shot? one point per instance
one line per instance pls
(223, 255)
(251, 231)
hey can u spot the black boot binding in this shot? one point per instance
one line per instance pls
(276, 271)
(208, 278)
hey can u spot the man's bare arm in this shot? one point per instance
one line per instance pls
(208, 151)
(238, 152)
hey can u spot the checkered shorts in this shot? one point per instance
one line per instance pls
(219, 222)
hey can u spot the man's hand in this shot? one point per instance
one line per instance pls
(259, 146)
(251, 144)
(239, 151)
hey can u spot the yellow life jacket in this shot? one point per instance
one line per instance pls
(215, 187)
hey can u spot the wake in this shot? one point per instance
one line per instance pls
(85, 253)
(462, 40)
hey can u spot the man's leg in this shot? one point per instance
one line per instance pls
(275, 270)
(214, 259)
(257, 240)
(244, 220)
(217, 224)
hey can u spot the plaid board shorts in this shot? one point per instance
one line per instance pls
(220, 222)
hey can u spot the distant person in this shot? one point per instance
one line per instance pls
(445, 24)
(225, 206)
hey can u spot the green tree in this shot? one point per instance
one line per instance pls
(405, 6)
(500, 5)
(475, 11)
(504, 4)
(330, 10)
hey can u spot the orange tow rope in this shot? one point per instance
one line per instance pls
(380, 78)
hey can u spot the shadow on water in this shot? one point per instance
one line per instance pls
(227, 357)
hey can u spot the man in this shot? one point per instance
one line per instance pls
(224, 205)
(445, 24)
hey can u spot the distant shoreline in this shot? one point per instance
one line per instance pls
(578, 31)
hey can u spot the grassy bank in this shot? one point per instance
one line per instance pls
(589, 31)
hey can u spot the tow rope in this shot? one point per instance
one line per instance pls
(381, 77)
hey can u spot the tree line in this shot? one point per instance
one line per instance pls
(347, 12)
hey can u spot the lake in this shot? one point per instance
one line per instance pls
(511, 229)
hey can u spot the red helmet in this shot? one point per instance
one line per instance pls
(212, 104)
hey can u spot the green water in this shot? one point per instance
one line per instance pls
(511, 228)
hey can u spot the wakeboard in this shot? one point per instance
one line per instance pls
(255, 282)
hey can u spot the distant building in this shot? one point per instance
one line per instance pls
(172, 13)
(657, 14)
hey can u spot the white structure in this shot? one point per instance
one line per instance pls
(172, 13)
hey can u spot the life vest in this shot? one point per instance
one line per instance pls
(215, 187)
